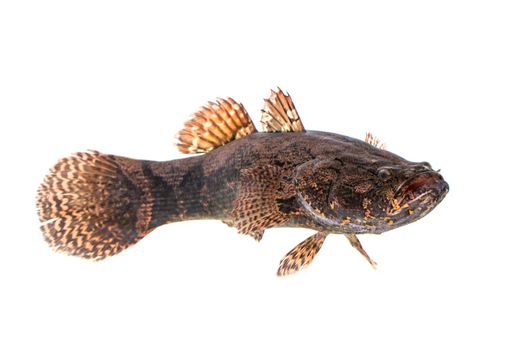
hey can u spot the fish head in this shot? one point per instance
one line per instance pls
(370, 191)
(405, 193)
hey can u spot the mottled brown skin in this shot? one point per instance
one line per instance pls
(95, 205)
(205, 186)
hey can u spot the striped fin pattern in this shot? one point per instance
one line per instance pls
(279, 114)
(256, 206)
(214, 125)
(302, 255)
(94, 205)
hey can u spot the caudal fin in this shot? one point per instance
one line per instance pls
(95, 205)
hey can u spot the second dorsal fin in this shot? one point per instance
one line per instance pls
(279, 114)
(214, 125)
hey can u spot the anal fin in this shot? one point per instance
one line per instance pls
(214, 125)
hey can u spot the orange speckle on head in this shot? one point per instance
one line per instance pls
(391, 222)
(346, 220)
(395, 204)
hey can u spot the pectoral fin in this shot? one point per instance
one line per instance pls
(302, 255)
(263, 200)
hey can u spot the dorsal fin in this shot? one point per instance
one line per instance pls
(214, 125)
(374, 141)
(279, 114)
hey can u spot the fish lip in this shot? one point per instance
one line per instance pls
(410, 179)
(431, 194)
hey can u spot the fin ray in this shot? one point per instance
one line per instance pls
(94, 205)
(256, 206)
(302, 255)
(279, 114)
(354, 241)
(214, 125)
(374, 141)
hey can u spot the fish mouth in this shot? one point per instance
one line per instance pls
(422, 191)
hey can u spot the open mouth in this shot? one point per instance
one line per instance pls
(419, 190)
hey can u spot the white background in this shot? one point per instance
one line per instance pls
(441, 82)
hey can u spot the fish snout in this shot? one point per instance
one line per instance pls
(439, 187)
(428, 183)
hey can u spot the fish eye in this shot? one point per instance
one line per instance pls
(384, 174)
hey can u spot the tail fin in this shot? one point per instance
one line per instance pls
(95, 205)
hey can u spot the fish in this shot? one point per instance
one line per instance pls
(95, 205)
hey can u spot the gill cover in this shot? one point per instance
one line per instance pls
(314, 182)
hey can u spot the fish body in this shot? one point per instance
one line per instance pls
(95, 205)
